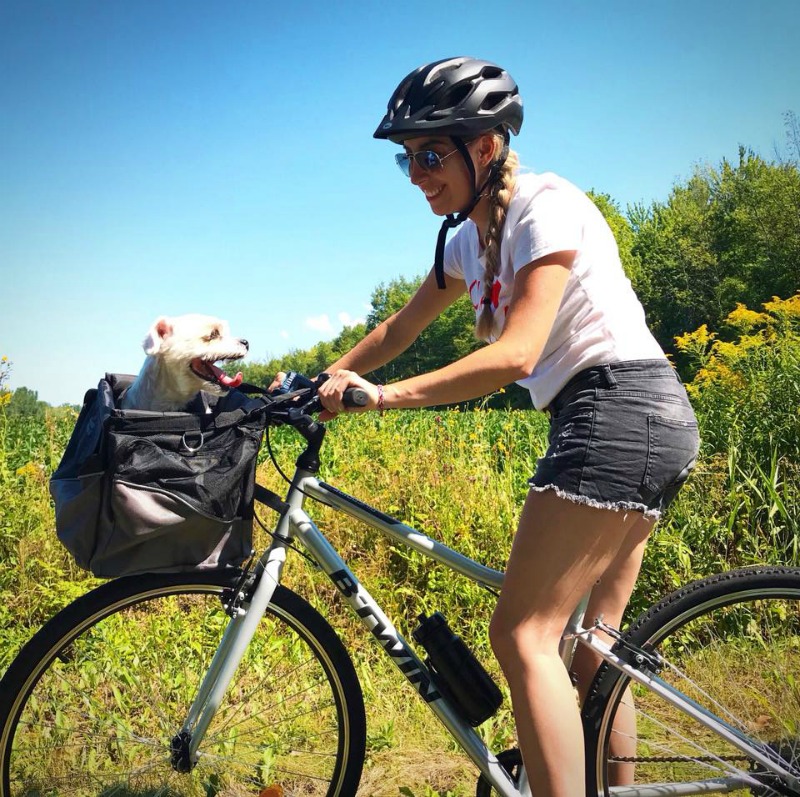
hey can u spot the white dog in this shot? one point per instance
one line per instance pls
(181, 356)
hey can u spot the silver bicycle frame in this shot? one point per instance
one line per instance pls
(295, 524)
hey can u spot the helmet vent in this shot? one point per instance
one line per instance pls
(491, 72)
(458, 95)
(493, 100)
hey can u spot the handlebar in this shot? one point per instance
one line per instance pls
(353, 397)
(295, 408)
(297, 400)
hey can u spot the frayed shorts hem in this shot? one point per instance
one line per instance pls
(615, 506)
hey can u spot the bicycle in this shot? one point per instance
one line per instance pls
(228, 683)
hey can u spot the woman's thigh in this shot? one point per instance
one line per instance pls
(560, 550)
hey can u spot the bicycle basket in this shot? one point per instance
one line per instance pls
(140, 491)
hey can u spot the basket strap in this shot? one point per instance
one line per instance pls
(270, 499)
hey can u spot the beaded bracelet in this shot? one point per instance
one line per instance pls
(381, 407)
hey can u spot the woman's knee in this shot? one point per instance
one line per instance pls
(517, 640)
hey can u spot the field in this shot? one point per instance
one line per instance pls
(460, 476)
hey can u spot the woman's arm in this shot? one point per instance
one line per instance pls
(538, 290)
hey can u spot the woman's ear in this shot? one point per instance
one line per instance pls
(487, 145)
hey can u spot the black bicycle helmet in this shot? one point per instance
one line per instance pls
(456, 97)
(460, 98)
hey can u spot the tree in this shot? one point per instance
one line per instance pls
(310, 361)
(623, 233)
(25, 402)
(448, 338)
(728, 235)
(792, 125)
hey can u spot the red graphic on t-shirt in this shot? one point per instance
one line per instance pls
(474, 285)
(496, 294)
(475, 290)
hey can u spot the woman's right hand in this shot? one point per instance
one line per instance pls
(331, 393)
(277, 381)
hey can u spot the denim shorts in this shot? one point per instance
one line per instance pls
(622, 436)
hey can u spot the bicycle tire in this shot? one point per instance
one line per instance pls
(736, 637)
(92, 702)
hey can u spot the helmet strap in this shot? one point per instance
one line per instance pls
(452, 220)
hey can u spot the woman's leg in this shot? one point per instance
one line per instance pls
(560, 551)
(609, 598)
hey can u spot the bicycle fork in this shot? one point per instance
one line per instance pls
(246, 614)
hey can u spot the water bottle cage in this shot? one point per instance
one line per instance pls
(457, 674)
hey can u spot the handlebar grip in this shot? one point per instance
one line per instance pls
(355, 397)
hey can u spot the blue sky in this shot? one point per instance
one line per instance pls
(217, 157)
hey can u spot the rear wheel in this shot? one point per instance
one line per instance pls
(734, 643)
(92, 704)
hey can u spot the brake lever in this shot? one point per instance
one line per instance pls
(296, 385)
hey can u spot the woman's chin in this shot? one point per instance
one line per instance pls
(439, 206)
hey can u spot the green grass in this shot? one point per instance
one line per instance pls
(459, 476)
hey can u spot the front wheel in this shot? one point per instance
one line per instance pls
(92, 703)
(732, 644)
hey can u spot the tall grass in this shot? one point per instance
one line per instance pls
(461, 477)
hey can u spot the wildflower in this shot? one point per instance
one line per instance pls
(695, 341)
(789, 307)
(31, 470)
(744, 320)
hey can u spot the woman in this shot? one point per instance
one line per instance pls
(543, 272)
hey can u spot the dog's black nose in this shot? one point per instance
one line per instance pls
(244, 343)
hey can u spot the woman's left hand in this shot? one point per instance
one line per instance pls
(331, 393)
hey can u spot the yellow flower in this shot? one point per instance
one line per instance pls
(30, 470)
(789, 307)
(743, 319)
(695, 341)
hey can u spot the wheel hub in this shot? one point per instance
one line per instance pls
(786, 750)
(181, 759)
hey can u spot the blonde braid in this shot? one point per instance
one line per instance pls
(499, 199)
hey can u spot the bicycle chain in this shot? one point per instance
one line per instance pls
(706, 759)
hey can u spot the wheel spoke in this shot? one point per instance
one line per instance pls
(97, 719)
(731, 644)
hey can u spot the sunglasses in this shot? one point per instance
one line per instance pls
(426, 159)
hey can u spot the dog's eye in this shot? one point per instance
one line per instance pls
(213, 335)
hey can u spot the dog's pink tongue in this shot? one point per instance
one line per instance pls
(224, 379)
(232, 381)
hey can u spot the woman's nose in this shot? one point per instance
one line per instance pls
(415, 172)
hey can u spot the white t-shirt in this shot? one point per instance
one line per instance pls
(600, 319)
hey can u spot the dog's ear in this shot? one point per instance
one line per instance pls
(158, 333)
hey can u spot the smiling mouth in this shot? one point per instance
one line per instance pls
(433, 194)
(208, 371)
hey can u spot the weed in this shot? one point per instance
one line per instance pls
(461, 477)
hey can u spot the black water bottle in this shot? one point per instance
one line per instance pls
(456, 672)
